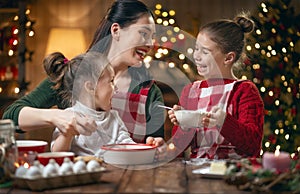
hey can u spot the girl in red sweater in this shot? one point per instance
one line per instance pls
(233, 125)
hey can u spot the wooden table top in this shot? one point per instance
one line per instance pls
(172, 177)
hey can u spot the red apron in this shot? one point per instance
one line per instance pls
(132, 110)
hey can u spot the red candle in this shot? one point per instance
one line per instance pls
(280, 161)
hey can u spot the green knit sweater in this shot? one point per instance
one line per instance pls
(43, 96)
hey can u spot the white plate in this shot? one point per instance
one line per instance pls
(204, 172)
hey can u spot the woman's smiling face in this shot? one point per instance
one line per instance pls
(135, 41)
(208, 57)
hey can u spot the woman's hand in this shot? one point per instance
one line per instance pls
(214, 118)
(67, 121)
(172, 116)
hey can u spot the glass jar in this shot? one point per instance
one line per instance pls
(8, 150)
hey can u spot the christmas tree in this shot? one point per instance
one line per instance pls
(274, 66)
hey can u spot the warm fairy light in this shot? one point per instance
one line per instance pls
(185, 66)
(31, 33)
(267, 144)
(262, 89)
(169, 32)
(287, 136)
(277, 103)
(171, 21)
(1, 89)
(164, 39)
(28, 23)
(289, 90)
(263, 52)
(278, 147)
(260, 15)
(263, 5)
(273, 52)
(283, 50)
(258, 32)
(249, 48)
(158, 6)
(159, 20)
(147, 59)
(257, 45)
(273, 30)
(285, 83)
(27, 12)
(190, 51)
(244, 77)
(15, 42)
(17, 90)
(10, 52)
(256, 66)
(295, 127)
(165, 23)
(285, 59)
(269, 47)
(291, 44)
(16, 18)
(282, 77)
(171, 64)
(298, 149)
(255, 80)
(268, 54)
(181, 56)
(181, 36)
(165, 51)
(265, 10)
(158, 55)
(176, 29)
(173, 39)
(261, 152)
(16, 31)
(165, 14)
(281, 131)
(171, 146)
(172, 12)
(157, 12)
(271, 93)
(276, 131)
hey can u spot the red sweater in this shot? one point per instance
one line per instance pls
(243, 128)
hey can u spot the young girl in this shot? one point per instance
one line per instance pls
(87, 83)
(233, 126)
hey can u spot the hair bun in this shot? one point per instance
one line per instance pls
(246, 24)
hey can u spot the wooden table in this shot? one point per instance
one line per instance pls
(171, 177)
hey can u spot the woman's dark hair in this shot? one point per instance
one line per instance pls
(230, 34)
(125, 13)
(68, 76)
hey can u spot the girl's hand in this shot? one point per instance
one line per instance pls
(67, 121)
(155, 141)
(172, 116)
(214, 118)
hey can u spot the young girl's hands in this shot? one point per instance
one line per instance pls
(172, 116)
(214, 118)
(155, 141)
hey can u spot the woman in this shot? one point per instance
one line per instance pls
(138, 94)
(233, 125)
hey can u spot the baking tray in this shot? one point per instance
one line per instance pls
(40, 184)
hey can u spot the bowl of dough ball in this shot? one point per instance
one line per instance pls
(32, 146)
(45, 157)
